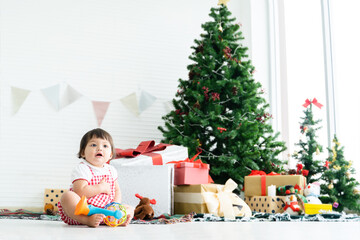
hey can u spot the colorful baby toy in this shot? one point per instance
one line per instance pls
(115, 212)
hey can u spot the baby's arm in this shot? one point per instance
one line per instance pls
(117, 197)
(82, 188)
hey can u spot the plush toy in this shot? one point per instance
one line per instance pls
(292, 206)
(312, 193)
(143, 210)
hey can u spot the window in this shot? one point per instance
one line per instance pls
(319, 46)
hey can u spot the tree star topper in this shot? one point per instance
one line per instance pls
(224, 2)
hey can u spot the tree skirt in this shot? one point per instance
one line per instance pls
(193, 217)
(282, 217)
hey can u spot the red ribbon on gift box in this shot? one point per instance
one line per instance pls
(196, 163)
(146, 148)
(263, 179)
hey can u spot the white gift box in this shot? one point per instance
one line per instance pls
(170, 153)
(154, 182)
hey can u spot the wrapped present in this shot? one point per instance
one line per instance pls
(147, 153)
(312, 209)
(210, 198)
(154, 182)
(191, 171)
(52, 197)
(257, 185)
(266, 204)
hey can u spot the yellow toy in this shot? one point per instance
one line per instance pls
(115, 212)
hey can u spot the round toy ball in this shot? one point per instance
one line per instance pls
(112, 221)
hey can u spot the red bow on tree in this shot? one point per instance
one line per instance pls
(314, 101)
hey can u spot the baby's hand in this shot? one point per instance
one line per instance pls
(105, 186)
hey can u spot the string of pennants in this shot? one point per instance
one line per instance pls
(60, 96)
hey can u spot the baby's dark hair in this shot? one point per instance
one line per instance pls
(98, 133)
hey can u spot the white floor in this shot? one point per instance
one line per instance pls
(37, 229)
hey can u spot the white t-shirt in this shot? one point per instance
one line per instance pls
(82, 171)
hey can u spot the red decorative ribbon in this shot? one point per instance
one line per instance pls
(263, 179)
(314, 101)
(145, 148)
(196, 163)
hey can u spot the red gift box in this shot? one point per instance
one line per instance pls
(191, 171)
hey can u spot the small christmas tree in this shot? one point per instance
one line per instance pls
(220, 110)
(339, 188)
(312, 168)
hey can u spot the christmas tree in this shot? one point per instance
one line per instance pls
(219, 109)
(311, 168)
(339, 188)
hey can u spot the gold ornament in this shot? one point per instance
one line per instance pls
(220, 29)
(355, 191)
(317, 151)
(348, 174)
(331, 186)
(223, 2)
(336, 167)
(337, 143)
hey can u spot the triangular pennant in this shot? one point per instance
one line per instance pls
(100, 109)
(70, 95)
(18, 96)
(146, 100)
(131, 103)
(52, 94)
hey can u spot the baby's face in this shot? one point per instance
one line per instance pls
(97, 152)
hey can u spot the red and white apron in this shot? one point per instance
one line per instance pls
(99, 200)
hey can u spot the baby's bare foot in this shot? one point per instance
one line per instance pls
(127, 221)
(95, 220)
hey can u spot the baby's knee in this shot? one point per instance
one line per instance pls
(69, 196)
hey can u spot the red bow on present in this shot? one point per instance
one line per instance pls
(146, 148)
(257, 172)
(263, 179)
(314, 101)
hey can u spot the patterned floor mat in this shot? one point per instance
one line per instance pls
(193, 217)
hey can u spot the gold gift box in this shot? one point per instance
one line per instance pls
(253, 185)
(189, 198)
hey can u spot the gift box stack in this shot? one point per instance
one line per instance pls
(195, 191)
(262, 191)
(144, 171)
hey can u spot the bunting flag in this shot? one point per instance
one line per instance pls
(146, 100)
(131, 103)
(52, 94)
(62, 95)
(100, 109)
(18, 96)
(70, 95)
